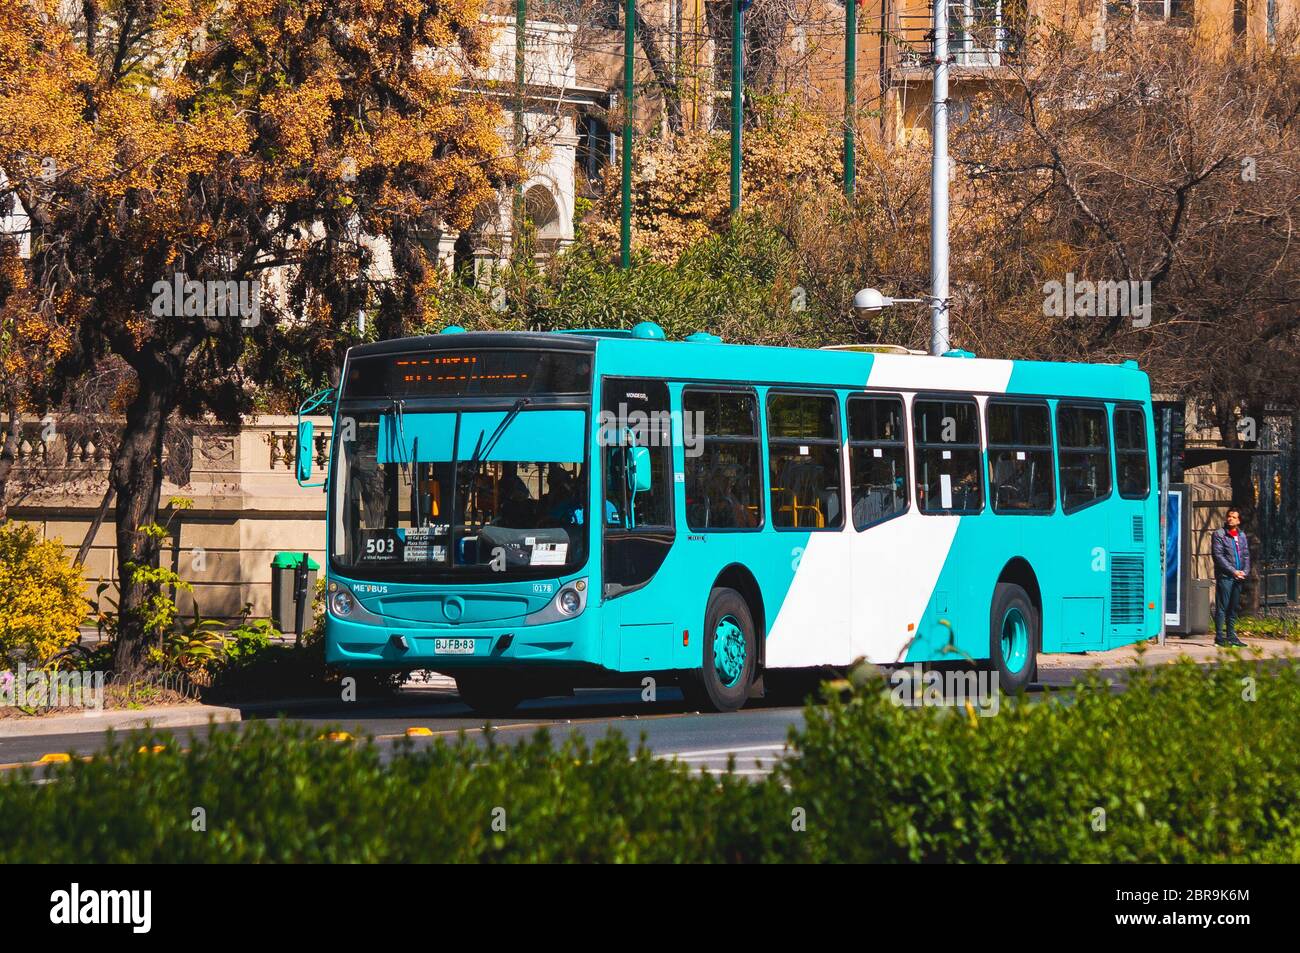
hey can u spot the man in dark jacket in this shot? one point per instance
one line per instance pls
(1231, 554)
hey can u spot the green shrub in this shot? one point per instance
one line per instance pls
(247, 640)
(1186, 767)
(1268, 627)
(739, 284)
(281, 795)
(42, 599)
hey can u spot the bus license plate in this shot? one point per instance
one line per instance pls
(453, 646)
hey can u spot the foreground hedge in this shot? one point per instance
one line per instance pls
(1183, 764)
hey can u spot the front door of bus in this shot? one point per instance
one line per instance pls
(637, 524)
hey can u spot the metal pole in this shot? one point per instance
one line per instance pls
(737, 94)
(939, 186)
(1166, 434)
(850, 90)
(300, 599)
(629, 37)
(517, 213)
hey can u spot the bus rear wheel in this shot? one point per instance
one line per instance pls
(730, 654)
(491, 694)
(1014, 629)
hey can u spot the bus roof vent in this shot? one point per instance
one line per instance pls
(596, 332)
(958, 352)
(704, 337)
(452, 329)
(648, 331)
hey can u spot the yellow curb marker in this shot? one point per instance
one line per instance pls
(419, 732)
(55, 757)
(335, 736)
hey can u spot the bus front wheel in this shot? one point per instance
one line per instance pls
(730, 654)
(491, 694)
(1013, 638)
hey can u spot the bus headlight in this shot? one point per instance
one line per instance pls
(341, 603)
(569, 601)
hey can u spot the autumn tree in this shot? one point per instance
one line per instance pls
(292, 153)
(1164, 162)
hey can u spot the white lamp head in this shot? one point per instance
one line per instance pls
(869, 299)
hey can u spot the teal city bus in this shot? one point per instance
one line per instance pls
(531, 512)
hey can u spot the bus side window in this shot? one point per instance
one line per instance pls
(946, 438)
(1132, 472)
(803, 438)
(1084, 454)
(877, 459)
(636, 413)
(1020, 457)
(723, 481)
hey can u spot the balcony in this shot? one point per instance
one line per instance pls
(981, 35)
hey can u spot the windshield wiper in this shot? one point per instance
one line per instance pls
(412, 468)
(482, 448)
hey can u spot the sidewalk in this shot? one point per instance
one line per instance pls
(162, 716)
(119, 719)
(1057, 670)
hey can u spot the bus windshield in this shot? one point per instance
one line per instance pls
(501, 491)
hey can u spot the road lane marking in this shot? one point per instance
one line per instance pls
(721, 752)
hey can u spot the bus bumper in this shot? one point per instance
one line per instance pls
(365, 645)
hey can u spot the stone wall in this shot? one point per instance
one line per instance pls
(246, 507)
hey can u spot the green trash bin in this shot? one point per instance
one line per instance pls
(283, 567)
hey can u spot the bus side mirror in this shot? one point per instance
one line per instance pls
(306, 444)
(638, 469)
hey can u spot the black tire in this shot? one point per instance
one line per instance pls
(705, 687)
(490, 694)
(1016, 665)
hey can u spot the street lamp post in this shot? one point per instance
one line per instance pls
(868, 299)
(850, 91)
(517, 209)
(939, 186)
(629, 76)
(737, 95)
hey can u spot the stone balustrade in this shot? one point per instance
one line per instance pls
(242, 503)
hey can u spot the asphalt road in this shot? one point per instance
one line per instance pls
(756, 735)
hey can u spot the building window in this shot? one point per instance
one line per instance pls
(980, 32)
(724, 485)
(1084, 455)
(1176, 12)
(1131, 469)
(1020, 457)
(877, 459)
(803, 439)
(594, 149)
(947, 444)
